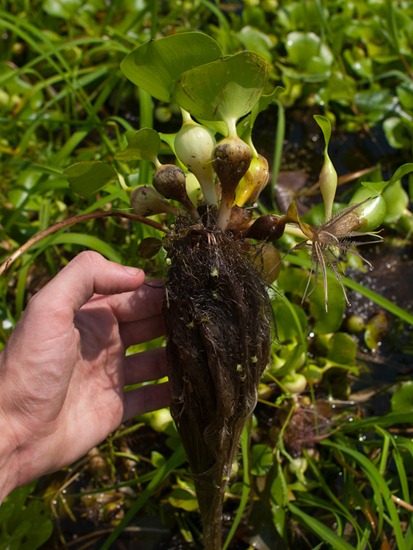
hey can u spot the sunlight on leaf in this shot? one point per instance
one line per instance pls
(179, 498)
(226, 89)
(156, 66)
(88, 177)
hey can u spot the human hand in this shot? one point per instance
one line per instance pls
(63, 370)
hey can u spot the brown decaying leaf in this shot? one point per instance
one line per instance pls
(329, 241)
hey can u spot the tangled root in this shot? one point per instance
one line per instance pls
(218, 321)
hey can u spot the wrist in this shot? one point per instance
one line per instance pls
(9, 471)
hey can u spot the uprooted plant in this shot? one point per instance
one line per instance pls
(220, 254)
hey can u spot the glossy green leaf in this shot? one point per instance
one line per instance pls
(372, 210)
(143, 144)
(360, 64)
(301, 46)
(226, 89)
(261, 459)
(308, 55)
(156, 66)
(402, 399)
(342, 348)
(397, 201)
(256, 41)
(330, 321)
(87, 177)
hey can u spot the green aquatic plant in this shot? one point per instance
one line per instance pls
(306, 354)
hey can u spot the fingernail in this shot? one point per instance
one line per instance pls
(131, 270)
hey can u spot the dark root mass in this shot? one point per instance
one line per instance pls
(218, 322)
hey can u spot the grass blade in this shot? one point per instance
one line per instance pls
(379, 485)
(86, 241)
(245, 486)
(321, 530)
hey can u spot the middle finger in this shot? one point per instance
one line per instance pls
(142, 330)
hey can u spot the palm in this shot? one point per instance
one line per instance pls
(67, 359)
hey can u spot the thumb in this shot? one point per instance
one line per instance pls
(87, 274)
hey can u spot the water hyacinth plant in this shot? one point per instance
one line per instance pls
(220, 252)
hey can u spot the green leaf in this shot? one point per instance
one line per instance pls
(402, 399)
(179, 498)
(244, 128)
(290, 318)
(82, 239)
(143, 144)
(226, 89)
(402, 171)
(342, 348)
(87, 177)
(328, 174)
(25, 524)
(331, 321)
(157, 459)
(372, 207)
(390, 419)
(256, 41)
(245, 485)
(40, 527)
(376, 329)
(378, 483)
(375, 104)
(261, 459)
(156, 66)
(397, 132)
(321, 530)
(325, 126)
(311, 58)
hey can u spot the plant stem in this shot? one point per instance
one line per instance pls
(278, 147)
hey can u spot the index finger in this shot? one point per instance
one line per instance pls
(87, 274)
(143, 303)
